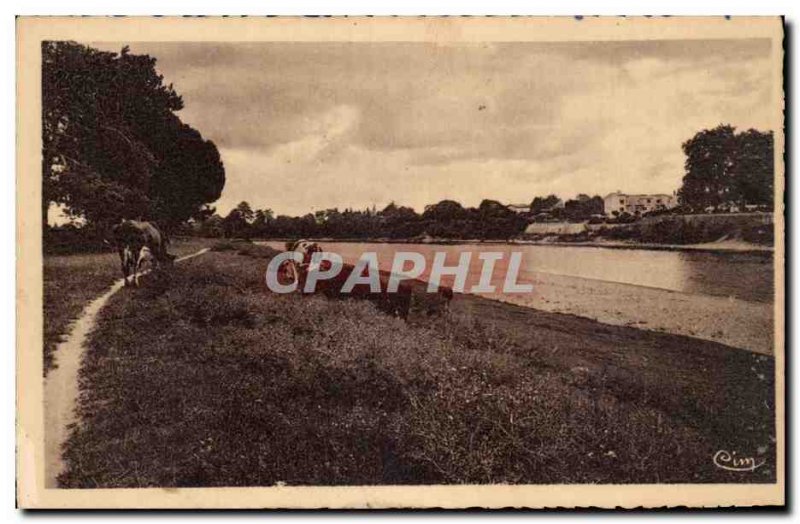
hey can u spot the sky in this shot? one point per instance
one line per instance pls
(308, 126)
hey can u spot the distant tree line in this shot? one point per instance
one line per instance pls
(445, 219)
(113, 145)
(581, 208)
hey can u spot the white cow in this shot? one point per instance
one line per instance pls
(291, 271)
(144, 264)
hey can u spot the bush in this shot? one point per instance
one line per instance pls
(762, 234)
(224, 245)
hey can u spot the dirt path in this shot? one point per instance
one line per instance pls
(61, 384)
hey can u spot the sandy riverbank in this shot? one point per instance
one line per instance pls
(730, 321)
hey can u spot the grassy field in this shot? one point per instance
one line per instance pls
(203, 378)
(72, 281)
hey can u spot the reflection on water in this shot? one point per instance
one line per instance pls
(747, 276)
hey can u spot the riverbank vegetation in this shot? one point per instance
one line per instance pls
(203, 378)
(696, 229)
(753, 229)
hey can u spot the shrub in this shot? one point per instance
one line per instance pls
(224, 245)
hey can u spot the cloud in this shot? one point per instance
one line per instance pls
(304, 126)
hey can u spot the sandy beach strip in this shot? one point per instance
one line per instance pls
(730, 321)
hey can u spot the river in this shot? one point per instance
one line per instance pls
(746, 276)
(726, 297)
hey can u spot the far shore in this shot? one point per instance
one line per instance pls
(724, 246)
(715, 233)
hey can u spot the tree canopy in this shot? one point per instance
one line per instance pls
(113, 146)
(583, 207)
(542, 204)
(723, 166)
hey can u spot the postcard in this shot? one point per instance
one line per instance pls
(423, 262)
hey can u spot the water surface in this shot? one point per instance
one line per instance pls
(746, 276)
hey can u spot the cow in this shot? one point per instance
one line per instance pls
(396, 304)
(307, 248)
(298, 271)
(130, 237)
(144, 263)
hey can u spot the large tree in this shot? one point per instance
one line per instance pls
(444, 211)
(261, 221)
(113, 146)
(583, 207)
(235, 224)
(755, 167)
(723, 166)
(246, 211)
(542, 204)
(495, 220)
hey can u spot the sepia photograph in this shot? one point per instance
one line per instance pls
(407, 262)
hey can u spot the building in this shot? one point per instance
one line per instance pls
(617, 203)
(519, 208)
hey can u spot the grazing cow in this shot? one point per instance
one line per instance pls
(130, 237)
(396, 304)
(307, 248)
(299, 271)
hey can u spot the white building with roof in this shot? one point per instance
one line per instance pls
(519, 208)
(618, 202)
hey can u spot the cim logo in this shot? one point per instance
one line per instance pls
(731, 461)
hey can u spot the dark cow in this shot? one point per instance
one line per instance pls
(397, 304)
(130, 237)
